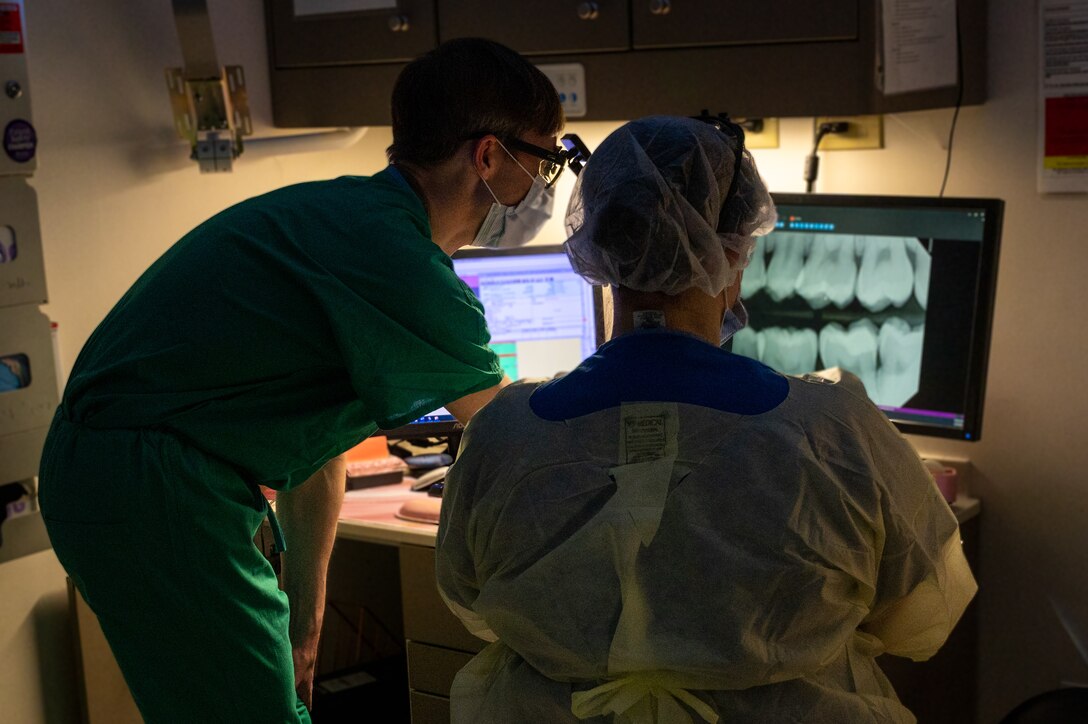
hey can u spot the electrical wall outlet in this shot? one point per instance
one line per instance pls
(864, 132)
(766, 138)
(569, 80)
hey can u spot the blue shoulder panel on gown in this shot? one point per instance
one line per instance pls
(661, 366)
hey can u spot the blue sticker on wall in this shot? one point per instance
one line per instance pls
(20, 141)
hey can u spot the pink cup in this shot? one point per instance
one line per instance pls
(945, 477)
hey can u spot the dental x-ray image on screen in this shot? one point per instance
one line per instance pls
(897, 290)
(872, 291)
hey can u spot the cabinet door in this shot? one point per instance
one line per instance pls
(427, 709)
(679, 23)
(431, 668)
(539, 27)
(426, 617)
(339, 32)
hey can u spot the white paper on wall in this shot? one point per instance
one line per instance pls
(919, 45)
(1063, 96)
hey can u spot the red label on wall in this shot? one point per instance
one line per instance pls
(11, 28)
(1067, 126)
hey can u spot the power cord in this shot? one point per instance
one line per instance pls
(812, 161)
(959, 102)
(951, 135)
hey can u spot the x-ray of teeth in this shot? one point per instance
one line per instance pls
(790, 351)
(922, 263)
(785, 266)
(748, 342)
(900, 350)
(755, 274)
(853, 349)
(886, 277)
(839, 300)
(825, 269)
(830, 272)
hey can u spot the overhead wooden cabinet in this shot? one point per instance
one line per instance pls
(777, 58)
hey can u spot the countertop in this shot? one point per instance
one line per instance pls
(965, 508)
(370, 515)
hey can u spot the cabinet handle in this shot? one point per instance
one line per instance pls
(660, 7)
(399, 23)
(588, 11)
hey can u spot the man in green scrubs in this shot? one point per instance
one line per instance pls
(260, 347)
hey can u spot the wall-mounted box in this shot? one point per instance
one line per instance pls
(18, 150)
(28, 393)
(22, 268)
(20, 454)
(22, 535)
(781, 58)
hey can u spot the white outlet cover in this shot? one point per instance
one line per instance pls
(569, 80)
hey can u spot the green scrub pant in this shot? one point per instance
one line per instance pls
(159, 540)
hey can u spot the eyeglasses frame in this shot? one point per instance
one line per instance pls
(574, 154)
(557, 157)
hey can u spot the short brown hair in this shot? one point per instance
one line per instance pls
(464, 89)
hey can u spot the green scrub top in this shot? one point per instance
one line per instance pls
(286, 329)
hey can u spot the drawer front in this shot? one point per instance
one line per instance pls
(539, 27)
(712, 22)
(397, 30)
(431, 668)
(428, 709)
(426, 617)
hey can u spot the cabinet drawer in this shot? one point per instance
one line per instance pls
(431, 668)
(428, 709)
(426, 617)
(392, 30)
(712, 22)
(538, 27)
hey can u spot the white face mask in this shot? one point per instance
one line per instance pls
(735, 319)
(507, 226)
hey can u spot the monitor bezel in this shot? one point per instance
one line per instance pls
(451, 427)
(985, 296)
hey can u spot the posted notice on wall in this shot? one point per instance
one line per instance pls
(919, 45)
(1063, 96)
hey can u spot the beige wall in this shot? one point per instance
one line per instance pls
(115, 192)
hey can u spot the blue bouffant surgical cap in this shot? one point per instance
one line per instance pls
(649, 211)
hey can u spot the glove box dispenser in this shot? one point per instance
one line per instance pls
(28, 389)
(22, 270)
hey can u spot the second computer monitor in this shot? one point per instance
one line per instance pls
(543, 317)
(897, 290)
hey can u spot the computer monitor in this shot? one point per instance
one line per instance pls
(897, 290)
(542, 316)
